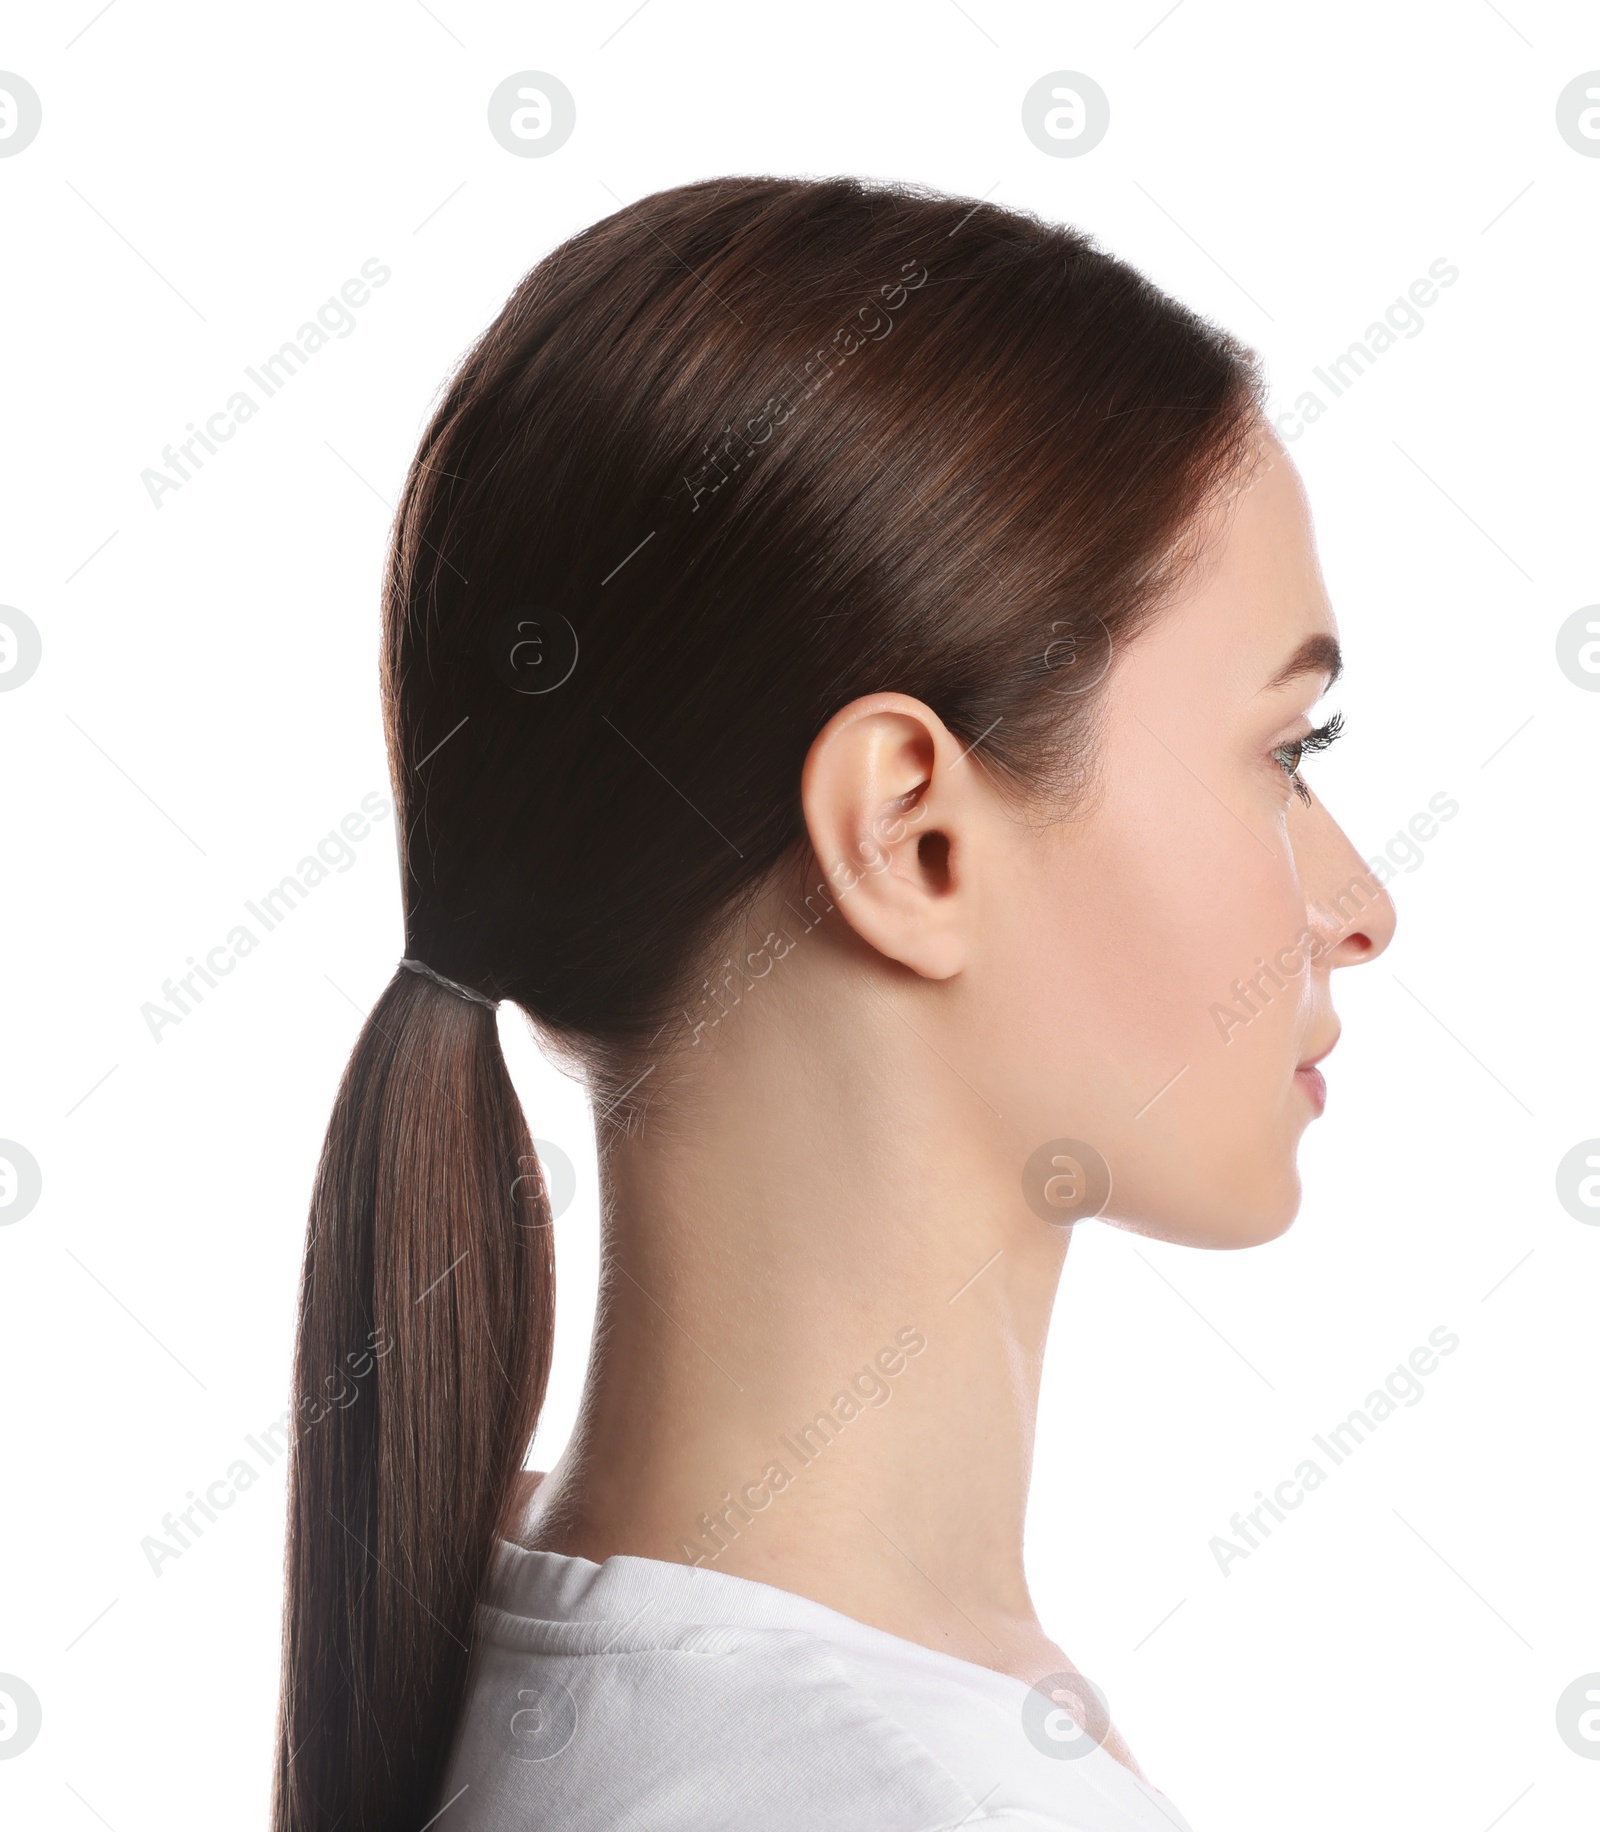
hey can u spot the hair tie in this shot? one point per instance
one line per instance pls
(455, 986)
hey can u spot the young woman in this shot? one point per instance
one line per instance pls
(849, 656)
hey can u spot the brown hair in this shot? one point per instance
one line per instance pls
(726, 460)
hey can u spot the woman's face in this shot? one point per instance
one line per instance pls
(1151, 977)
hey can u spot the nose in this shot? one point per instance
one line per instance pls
(1349, 911)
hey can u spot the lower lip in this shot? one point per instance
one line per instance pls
(1316, 1088)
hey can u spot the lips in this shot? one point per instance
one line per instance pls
(1311, 1080)
(1309, 1076)
(1312, 1061)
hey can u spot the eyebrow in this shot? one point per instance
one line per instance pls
(1316, 655)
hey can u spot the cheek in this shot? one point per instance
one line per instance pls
(1103, 974)
(1141, 927)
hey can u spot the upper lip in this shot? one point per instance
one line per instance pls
(1312, 1061)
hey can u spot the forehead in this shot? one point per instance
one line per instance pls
(1255, 597)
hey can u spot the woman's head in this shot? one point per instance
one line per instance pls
(811, 601)
(742, 457)
(1143, 965)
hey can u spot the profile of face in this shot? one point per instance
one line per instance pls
(1150, 972)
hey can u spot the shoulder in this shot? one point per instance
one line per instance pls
(588, 1725)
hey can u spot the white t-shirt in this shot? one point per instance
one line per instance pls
(642, 1694)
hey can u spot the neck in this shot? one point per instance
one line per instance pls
(822, 1321)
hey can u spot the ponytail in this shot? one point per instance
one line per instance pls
(426, 1306)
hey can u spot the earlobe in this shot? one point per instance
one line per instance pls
(886, 824)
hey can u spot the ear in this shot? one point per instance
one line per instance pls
(895, 808)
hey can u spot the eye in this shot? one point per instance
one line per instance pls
(1290, 756)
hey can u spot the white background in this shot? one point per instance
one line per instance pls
(206, 711)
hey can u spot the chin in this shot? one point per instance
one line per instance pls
(1239, 1211)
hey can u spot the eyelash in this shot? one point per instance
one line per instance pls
(1289, 756)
